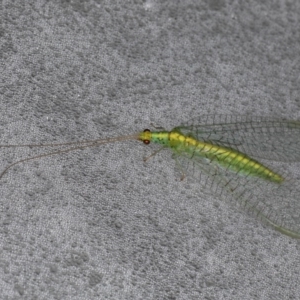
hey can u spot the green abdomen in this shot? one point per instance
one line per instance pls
(239, 162)
(226, 157)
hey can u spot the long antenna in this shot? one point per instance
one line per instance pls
(83, 144)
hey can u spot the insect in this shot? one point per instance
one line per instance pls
(234, 156)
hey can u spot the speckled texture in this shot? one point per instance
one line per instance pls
(100, 223)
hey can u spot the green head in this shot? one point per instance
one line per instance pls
(145, 136)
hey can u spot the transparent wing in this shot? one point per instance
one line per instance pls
(259, 137)
(275, 204)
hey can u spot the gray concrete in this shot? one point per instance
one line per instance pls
(100, 223)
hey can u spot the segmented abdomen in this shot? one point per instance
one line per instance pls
(226, 157)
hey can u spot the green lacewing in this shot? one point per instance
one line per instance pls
(233, 155)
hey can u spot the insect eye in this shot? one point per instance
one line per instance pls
(146, 142)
